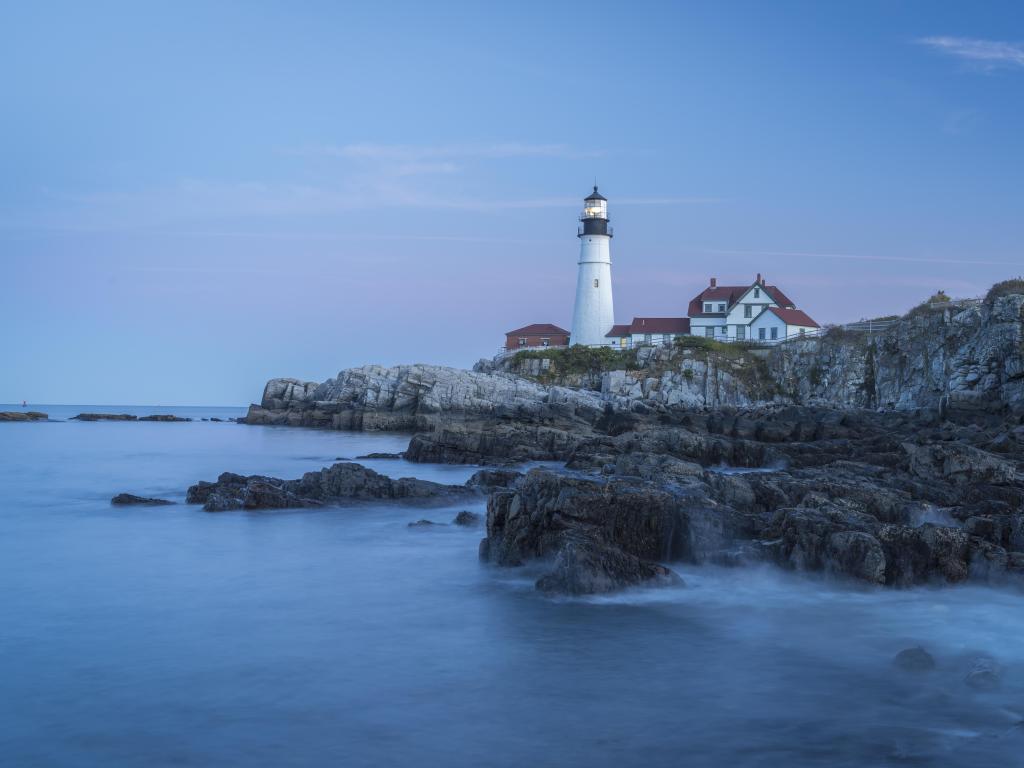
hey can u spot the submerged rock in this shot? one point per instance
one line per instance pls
(984, 674)
(915, 659)
(105, 417)
(163, 417)
(126, 499)
(427, 524)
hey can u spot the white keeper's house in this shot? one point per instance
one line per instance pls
(757, 312)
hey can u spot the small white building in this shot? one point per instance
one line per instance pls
(728, 313)
(648, 331)
(778, 324)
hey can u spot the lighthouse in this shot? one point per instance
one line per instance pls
(593, 315)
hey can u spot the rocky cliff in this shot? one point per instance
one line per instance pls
(960, 355)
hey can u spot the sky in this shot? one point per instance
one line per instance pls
(197, 197)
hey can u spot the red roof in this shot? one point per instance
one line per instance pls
(538, 329)
(651, 325)
(660, 325)
(730, 294)
(793, 317)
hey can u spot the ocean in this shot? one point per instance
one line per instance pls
(168, 636)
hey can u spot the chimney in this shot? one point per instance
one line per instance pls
(714, 281)
(758, 281)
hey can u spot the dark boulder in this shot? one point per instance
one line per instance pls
(468, 519)
(337, 483)
(584, 567)
(128, 499)
(163, 417)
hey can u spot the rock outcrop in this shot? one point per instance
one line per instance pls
(129, 499)
(341, 482)
(23, 416)
(894, 458)
(105, 417)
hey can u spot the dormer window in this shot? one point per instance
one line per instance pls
(709, 307)
(721, 307)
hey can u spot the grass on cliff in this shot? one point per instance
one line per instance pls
(937, 300)
(705, 344)
(1005, 288)
(580, 359)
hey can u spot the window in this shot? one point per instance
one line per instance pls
(709, 308)
(725, 330)
(522, 341)
(748, 310)
(721, 307)
(761, 334)
(647, 338)
(545, 342)
(595, 282)
(803, 331)
(757, 293)
(741, 332)
(775, 332)
(709, 331)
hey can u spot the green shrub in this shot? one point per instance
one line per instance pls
(580, 359)
(937, 300)
(1005, 288)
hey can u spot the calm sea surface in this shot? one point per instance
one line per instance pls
(340, 637)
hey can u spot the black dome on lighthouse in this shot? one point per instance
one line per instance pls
(595, 195)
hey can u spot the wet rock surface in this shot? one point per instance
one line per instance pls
(341, 482)
(23, 416)
(891, 458)
(105, 417)
(129, 499)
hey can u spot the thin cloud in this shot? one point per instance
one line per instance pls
(861, 257)
(987, 54)
(413, 152)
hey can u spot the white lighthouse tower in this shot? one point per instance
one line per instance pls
(594, 315)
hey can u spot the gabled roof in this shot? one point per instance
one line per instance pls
(650, 325)
(618, 331)
(793, 316)
(538, 329)
(730, 294)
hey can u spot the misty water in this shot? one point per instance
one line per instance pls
(171, 636)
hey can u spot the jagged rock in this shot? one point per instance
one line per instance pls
(585, 567)
(468, 519)
(127, 499)
(958, 463)
(340, 482)
(381, 456)
(915, 659)
(426, 524)
(23, 416)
